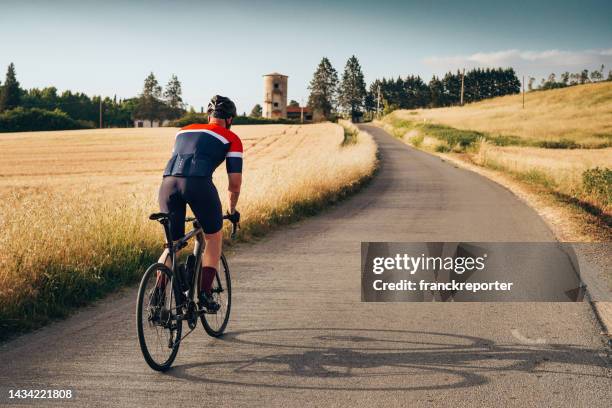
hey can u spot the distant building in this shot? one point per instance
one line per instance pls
(275, 96)
(295, 113)
(146, 123)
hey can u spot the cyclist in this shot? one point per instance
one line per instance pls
(198, 150)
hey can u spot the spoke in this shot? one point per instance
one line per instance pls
(159, 336)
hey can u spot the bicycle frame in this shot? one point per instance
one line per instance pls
(174, 247)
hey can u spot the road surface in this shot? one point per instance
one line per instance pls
(299, 335)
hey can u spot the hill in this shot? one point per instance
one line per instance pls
(560, 143)
(581, 114)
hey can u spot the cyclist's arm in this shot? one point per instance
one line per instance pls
(235, 182)
(233, 163)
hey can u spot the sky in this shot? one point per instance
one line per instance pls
(109, 47)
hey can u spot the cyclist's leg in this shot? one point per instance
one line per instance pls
(210, 260)
(171, 201)
(203, 199)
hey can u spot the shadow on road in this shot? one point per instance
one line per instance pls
(368, 359)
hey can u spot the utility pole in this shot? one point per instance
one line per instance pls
(100, 111)
(378, 102)
(523, 91)
(302, 110)
(462, 87)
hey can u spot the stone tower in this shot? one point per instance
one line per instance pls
(275, 96)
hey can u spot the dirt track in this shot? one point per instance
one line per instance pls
(299, 335)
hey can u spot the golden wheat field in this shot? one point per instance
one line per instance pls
(74, 204)
(579, 113)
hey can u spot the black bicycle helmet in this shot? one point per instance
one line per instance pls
(221, 107)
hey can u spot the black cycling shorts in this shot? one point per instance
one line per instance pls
(203, 199)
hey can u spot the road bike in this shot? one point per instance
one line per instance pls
(167, 297)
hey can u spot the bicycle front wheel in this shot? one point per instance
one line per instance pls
(159, 330)
(215, 323)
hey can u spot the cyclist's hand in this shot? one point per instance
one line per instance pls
(234, 218)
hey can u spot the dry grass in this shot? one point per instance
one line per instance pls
(73, 205)
(580, 113)
(562, 169)
(559, 170)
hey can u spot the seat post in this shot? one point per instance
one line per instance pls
(166, 224)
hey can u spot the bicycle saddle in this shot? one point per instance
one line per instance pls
(159, 216)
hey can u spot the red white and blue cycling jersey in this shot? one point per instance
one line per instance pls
(200, 148)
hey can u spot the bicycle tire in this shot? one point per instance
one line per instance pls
(218, 328)
(142, 320)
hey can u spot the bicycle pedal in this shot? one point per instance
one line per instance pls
(203, 310)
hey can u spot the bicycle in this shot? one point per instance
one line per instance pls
(167, 298)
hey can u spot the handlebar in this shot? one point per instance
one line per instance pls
(235, 224)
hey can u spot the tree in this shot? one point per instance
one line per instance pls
(323, 88)
(257, 111)
(584, 76)
(530, 83)
(152, 87)
(371, 102)
(436, 89)
(596, 76)
(574, 78)
(294, 104)
(149, 105)
(10, 95)
(610, 75)
(352, 88)
(173, 93)
(565, 77)
(452, 88)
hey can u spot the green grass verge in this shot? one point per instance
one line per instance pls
(465, 139)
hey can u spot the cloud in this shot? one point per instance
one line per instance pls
(528, 62)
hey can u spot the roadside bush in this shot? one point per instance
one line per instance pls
(538, 177)
(598, 182)
(350, 135)
(417, 140)
(443, 148)
(558, 144)
(35, 119)
(463, 138)
(191, 118)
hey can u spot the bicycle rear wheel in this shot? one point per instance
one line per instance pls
(215, 323)
(159, 331)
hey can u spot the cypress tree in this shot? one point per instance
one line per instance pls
(323, 88)
(10, 96)
(352, 88)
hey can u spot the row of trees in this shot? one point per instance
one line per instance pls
(570, 79)
(327, 94)
(412, 92)
(152, 104)
(349, 96)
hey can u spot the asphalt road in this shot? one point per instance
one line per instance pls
(299, 335)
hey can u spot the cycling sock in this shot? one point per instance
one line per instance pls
(206, 279)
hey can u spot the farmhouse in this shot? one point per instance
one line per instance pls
(295, 113)
(146, 123)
